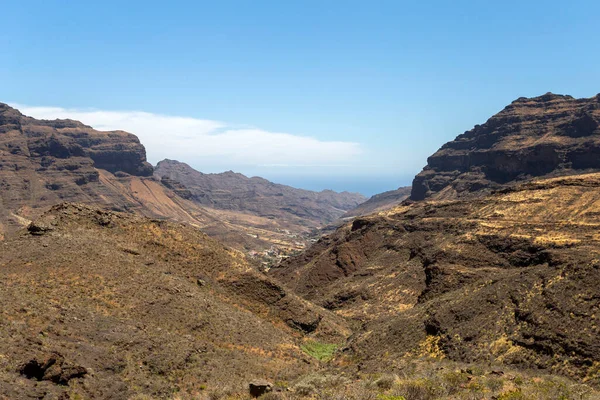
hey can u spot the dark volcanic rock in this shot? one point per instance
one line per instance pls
(511, 278)
(549, 135)
(258, 388)
(54, 369)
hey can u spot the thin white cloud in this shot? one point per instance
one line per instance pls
(209, 143)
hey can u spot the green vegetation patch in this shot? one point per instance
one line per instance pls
(320, 351)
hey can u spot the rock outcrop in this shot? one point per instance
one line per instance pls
(548, 136)
(69, 145)
(45, 162)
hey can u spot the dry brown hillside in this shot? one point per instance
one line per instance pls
(379, 202)
(510, 278)
(234, 191)
(101, 304)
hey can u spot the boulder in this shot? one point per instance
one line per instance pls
(259, 387)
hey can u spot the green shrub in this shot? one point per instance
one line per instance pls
(318, 350)
(494, 384)
(305, 389)
(422, 389)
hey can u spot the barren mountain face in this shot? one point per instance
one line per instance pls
(550, 135)
(45, 162)
(380, 202)
(512, 277)
(234, 191)
(107, 305)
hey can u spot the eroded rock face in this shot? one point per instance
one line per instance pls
(70, 145)
(46, 162)
(549, 135)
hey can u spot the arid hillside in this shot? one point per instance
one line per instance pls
(380, 202)
(100, 304)
(510, 278)
(550, 135)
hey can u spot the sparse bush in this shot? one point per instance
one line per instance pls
(454, 380)
(386, 382)
(390, 397)
(305, 389)
(416, 390)
(494, 384)
(515, 394)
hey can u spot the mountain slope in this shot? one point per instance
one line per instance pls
(380, 202)
(43, 163)
(509, 278)
(100, 304)
(550, 135)
(234, 191)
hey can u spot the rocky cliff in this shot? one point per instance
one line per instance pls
(48, 143)
(44, 162)
(548, 135)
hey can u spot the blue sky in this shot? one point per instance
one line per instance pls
(354, 94)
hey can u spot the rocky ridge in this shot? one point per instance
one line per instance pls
(234, 191)
(43, 163)
(549, 135)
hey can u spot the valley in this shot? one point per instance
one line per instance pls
(125, 281)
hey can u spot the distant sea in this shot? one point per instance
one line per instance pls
(368, 186)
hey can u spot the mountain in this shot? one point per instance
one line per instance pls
(504, 271)
(511, 278)
(550, 135)
(101, 304)
(380, 202)
(43, 163)
(234, 191)
(124, 297)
